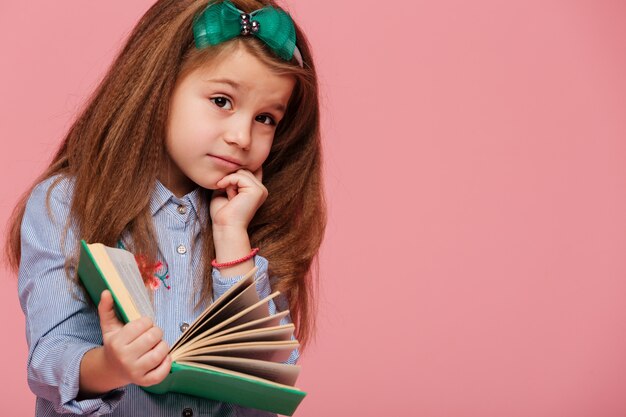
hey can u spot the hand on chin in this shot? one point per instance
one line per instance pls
(237, 198)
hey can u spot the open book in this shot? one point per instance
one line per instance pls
(232, 352)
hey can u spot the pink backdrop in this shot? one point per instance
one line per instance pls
(475, 167)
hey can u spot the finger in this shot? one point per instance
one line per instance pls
(108, 320)
(134, 329)
(237, 179)
(255, 177)
(158, 374)
(242, 178)
(146, 341)
(231, 192)
(153, 358)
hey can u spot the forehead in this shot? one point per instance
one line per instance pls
(241, 70)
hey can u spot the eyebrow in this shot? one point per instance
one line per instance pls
(234, 84)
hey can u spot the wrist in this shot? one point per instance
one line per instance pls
(231, 244)
(222, 233)
(97, 376)
(234, 262)
(115, 375)
(236, 270)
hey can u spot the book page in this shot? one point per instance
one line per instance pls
(255, 312)
(270, 334)
(265, 351)
(277, 372)
(128, 271)
(240, 302)
(271, 321)
(219, 303)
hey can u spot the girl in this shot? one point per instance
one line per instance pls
(201, 143)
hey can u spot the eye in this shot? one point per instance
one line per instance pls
(222, 102)
(266, 119)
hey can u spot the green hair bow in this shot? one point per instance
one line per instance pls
(220, 22)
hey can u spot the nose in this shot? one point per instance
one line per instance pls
(239, 132)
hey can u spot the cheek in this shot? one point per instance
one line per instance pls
(191, 130)
(263, 153)
(191, 118)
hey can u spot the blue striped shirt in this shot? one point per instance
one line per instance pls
(61, 326)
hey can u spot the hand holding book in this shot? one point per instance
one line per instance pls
(131, 353)
(232, 352)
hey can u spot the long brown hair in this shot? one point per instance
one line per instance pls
(119, 139)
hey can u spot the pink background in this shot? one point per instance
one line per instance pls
(475, 168)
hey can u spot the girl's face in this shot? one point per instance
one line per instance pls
(222, 119)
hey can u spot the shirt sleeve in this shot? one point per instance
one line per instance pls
(263, 287)
(61, 326)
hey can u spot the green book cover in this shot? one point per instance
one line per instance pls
(94, 280)
(220, 386)
(185, 377)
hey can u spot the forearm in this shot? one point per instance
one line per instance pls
(232, 244)
(96, 376)
(54, 377)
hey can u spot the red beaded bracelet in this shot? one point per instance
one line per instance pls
(236, 261)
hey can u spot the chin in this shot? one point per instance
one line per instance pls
(208, 183)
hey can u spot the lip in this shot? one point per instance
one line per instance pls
(224, 160)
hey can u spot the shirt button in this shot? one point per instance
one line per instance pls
(181, 249)
(184, 326)
(187, 412)
(182, 209)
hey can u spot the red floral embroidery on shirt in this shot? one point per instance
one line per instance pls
(153, 274)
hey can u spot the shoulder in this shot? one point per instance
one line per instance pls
(50, 196)
(47, 227)
(60, 187)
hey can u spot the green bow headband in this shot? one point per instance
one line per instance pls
(223, 21)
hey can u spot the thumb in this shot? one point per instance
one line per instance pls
(108, 320)
(217, 194)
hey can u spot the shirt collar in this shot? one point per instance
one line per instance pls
(161, 195)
